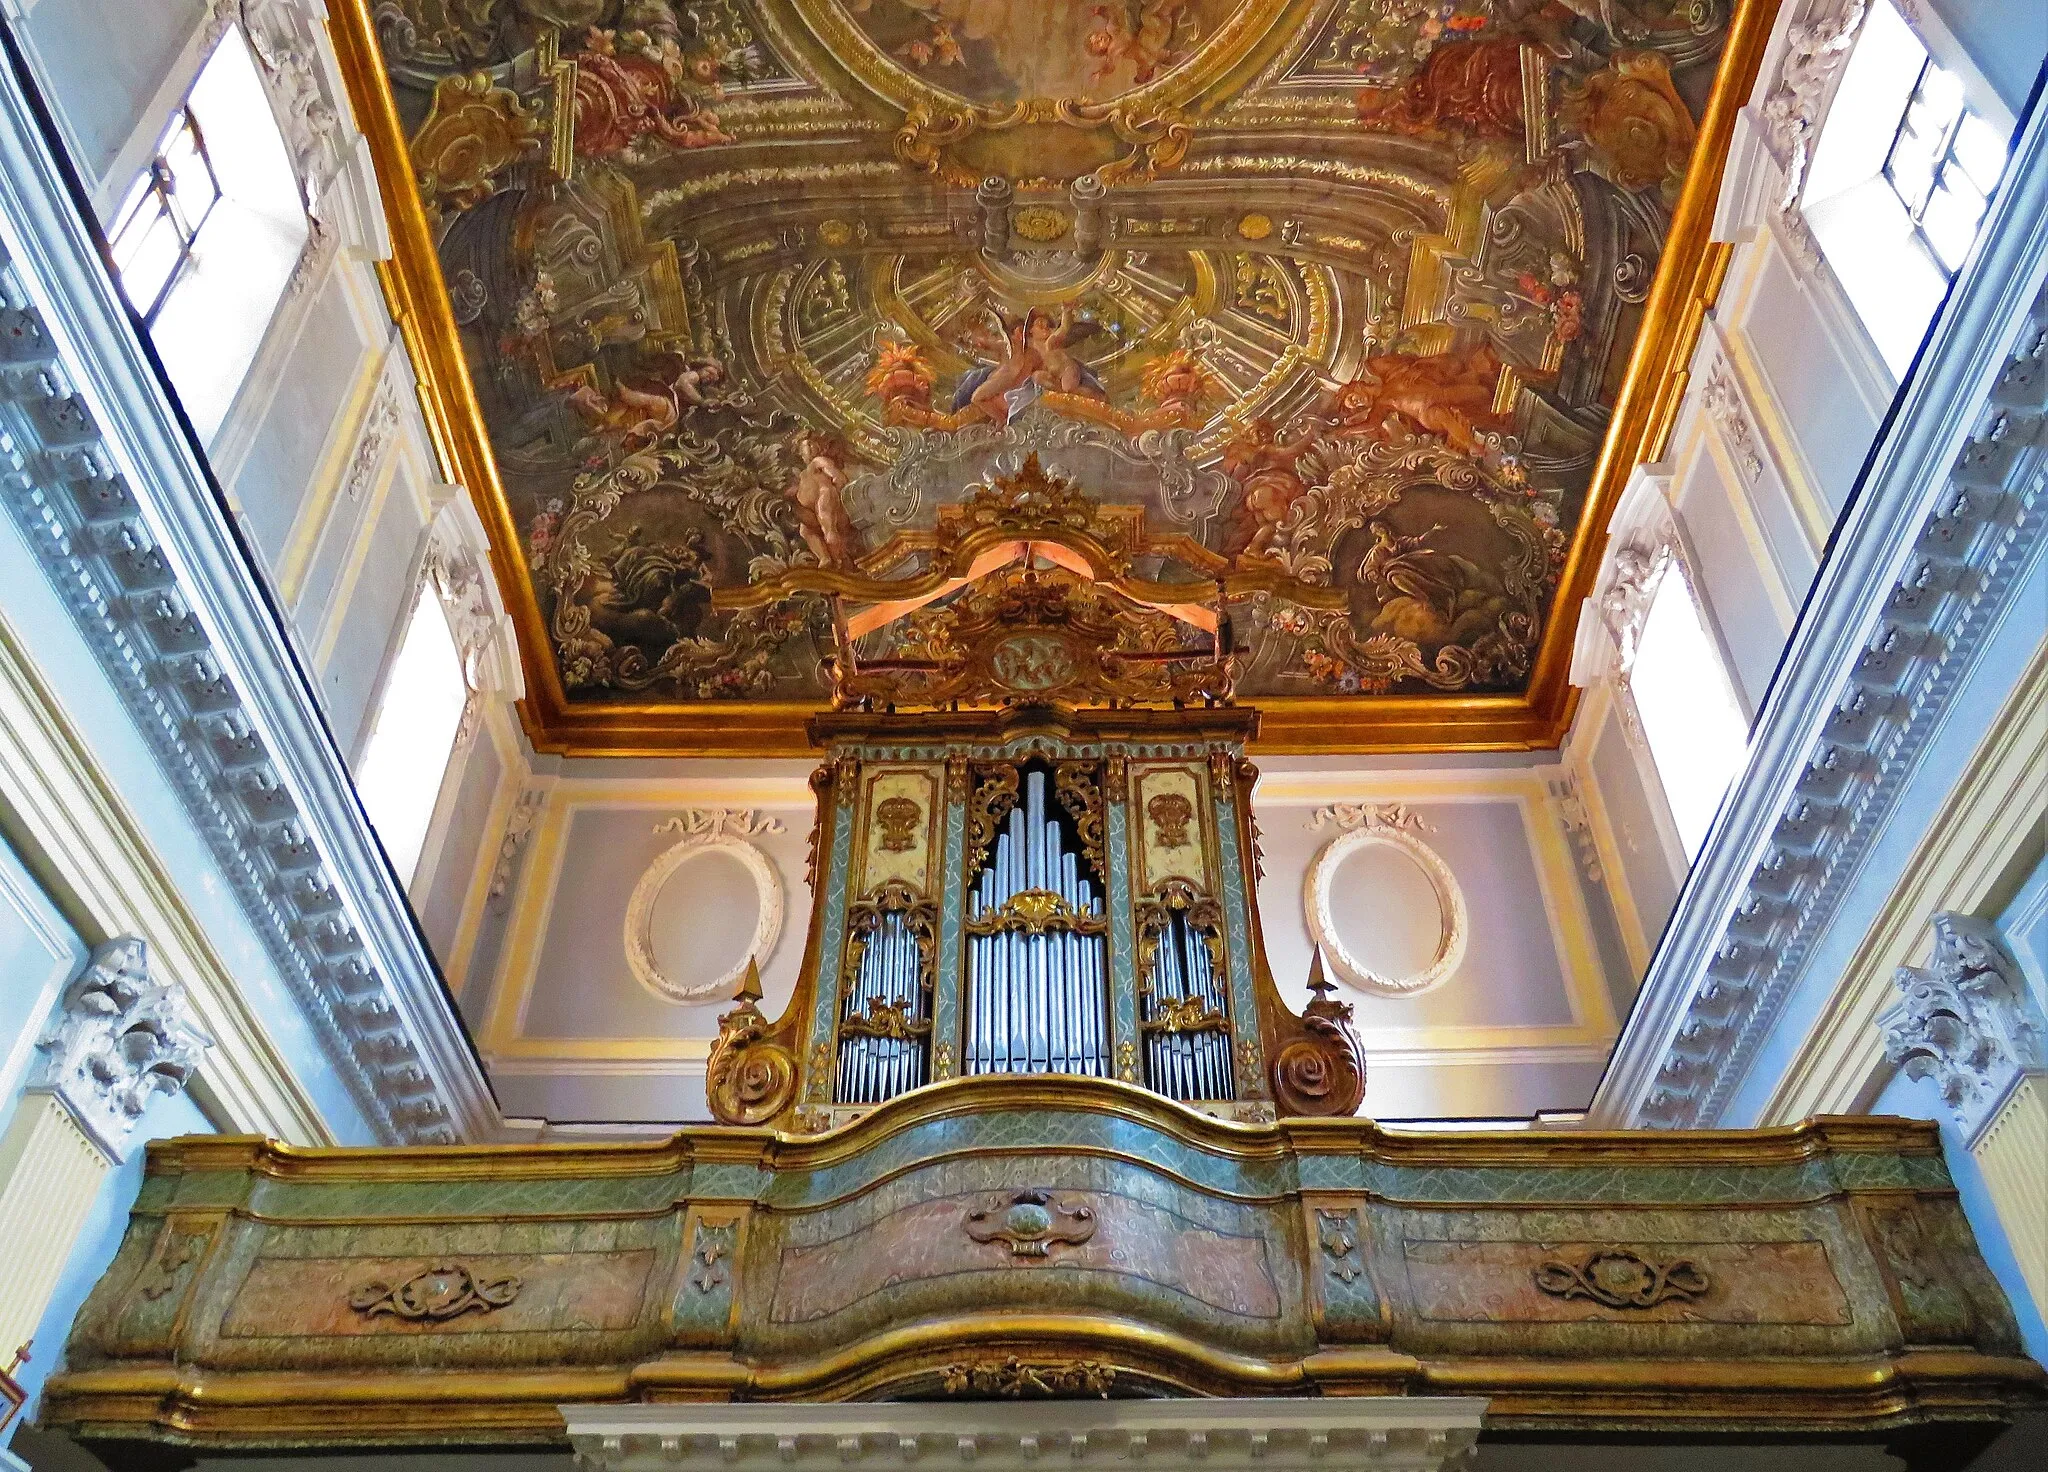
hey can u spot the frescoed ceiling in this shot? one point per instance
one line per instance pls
(1335, 297)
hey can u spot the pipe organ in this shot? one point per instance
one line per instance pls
(1040, 892)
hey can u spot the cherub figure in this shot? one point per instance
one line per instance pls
(819, 495)
(1265, 466)
(637, 417)
(1143, 41)
(1450, 394)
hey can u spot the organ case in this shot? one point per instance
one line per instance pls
(1035, 891)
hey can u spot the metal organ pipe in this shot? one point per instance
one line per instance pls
(1036, 1003)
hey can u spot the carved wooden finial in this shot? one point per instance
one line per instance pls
(1317, 982)
(750, 986)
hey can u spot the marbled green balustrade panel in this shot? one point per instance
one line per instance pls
(1123, 945)
(1237, 922)
(1034, 1132)
(1796, 1281)
(303, 1200)
(703, 1299)
(1150, 1250)
(1806, 1180)
(832, 936)
(946, 993)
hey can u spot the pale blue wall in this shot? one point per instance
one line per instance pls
(104, 61)
(39, 952)
(101, 1237)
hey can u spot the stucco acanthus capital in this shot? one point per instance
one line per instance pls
(118, 1039)
(1966, 1021)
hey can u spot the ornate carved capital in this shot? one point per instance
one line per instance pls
(119, 1039)
(1966, 1020)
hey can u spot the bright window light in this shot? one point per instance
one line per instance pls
(1944, 163)
(413, 739)
(1696, 732)
(208, 236)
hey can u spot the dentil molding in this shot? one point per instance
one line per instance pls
(1945, 524)
(110, 495)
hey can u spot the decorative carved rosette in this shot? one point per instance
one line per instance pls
(1321, 1071)
(750, 1078)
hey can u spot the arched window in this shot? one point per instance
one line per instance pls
(207, 237)
(1900, 180)
(1690, 720)
(419, 713)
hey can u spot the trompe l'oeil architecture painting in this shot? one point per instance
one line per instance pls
(1278, 734)
(1328, 307)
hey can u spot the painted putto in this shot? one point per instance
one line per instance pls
(1331, 299)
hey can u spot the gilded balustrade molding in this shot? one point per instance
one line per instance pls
(1817, 1278)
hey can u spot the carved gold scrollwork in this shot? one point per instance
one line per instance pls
(475, 130)
(1078, 786)
(1036, 911)
(995, 793)
(1322, 1072)
(863, 919)
(1622, 1278)
(1170, 813)
(1013, 1378)
(434, 1295)
(1205, 918)
(1030, 1223)
(748, 1079)
(898, 818)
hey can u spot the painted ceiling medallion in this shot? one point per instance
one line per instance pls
(1333, 302)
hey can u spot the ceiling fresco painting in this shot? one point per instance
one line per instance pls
(1331, 299)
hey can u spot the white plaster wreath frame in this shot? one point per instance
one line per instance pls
(1322, 926)
(640, 919)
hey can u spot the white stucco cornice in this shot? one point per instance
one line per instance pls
(112, 497)
(1945, 521)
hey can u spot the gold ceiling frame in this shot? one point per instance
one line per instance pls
(1688, 280)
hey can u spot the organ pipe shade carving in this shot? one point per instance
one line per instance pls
(885, 1030)
(1183, 1005)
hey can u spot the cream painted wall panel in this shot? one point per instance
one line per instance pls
(463, 843)
(49, 1174)
(1736, 579)
(581, 987)
(2013, 1154)
(1630, 811)
(1804, 378)
(368, 608)
(315, 388)
(104, 62)
(1511, 975)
